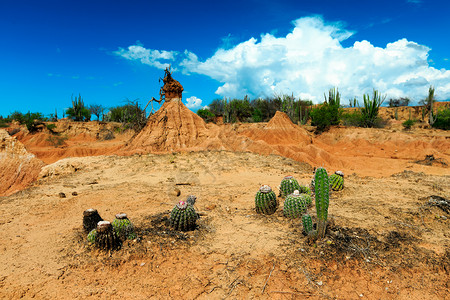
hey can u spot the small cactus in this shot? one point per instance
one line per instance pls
(307, 224)
(183, 217)
(106, 238)
(337, 181)
(123, 227)
(288, 185)
(191, 199)
(91, 236)
(295, 205)
(90, 219)
(266, 201)
(305, 190)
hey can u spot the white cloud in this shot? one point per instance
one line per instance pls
(193, 102)
(155, 58)
(310, 60)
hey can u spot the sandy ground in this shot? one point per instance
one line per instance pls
(384, 241)
(387, 237)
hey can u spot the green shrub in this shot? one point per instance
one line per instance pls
(352, 119)
(130, 113)
(442, 119)
(329, 113)
(206, 114)
(50, 127)
(408, 124)
(78, 112)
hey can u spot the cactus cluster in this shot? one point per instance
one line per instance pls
(183, 216)
(296, 204)
(106, 235)
(337, 181)
(266, 201)
(288, 185)
(322, 196)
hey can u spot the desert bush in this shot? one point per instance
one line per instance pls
(78, 112)
(442, 119)
(328, 113)
(4, 122)
(31, 120)
(352, 118)
(408, 124)
(50, 127)
(369, 112)
(96, 110)
(56, 140)
(403, 101)
(206, 114)
(130, 114)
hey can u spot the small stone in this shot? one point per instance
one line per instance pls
(62, 195)
(74, 194)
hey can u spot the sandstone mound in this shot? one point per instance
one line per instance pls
(18, 167)
(172, 128)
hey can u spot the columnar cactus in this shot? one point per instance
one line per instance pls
(106, 238)
(183, 217)
(337, 181)
(191, 200)
(90, 219)
(322, 191)
(307, 224)
(295, 204)
(123, 227)
(288, 185)
(266, 201)
(322, 196)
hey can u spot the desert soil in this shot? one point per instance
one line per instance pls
(387, 238)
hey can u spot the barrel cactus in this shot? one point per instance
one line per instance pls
(266, 201)
(105, 237)
(90, 219)
(295, 204)
(305, 190)
(123, 227)
(183, 217)
(288, 185)
(337, 181)
(191, 200)
(91, 236)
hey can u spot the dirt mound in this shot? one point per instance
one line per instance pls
(18, 167)
(172, 128)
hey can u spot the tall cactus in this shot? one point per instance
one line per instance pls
(322, 196)
(322, 189)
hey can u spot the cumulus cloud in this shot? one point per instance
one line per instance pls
(193, 102)
(155, 58)
(310, 60)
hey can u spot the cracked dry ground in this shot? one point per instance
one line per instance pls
(385, 239)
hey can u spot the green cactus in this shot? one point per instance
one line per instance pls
(295, 204)
(307, 224)
(322, 193)
(123, 227)
(183, 217)
(266, 201)
(337, 181)
(91, 236)
(288, 185)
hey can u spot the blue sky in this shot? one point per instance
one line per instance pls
(110, 51)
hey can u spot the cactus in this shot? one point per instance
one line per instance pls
(307, 225)
(266, 201)
(322, 192)
(305, 190)
(91, 236)
(183, 217)
(295, 204)
(288, 185)
(337, 181)
(123, 227)
(90, 219)
(191, 200)
(106, 238)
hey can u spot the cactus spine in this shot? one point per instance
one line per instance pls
(266, 201)
(183, 217)
(288, 185)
